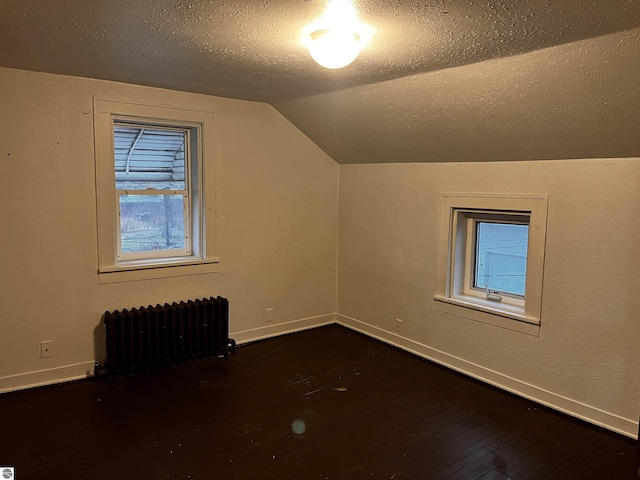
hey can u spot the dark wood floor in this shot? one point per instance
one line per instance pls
(323, 404)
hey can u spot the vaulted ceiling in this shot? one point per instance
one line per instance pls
(441, 80)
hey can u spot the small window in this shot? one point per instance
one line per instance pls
(155, 188)
(501, 257)
(491, 257)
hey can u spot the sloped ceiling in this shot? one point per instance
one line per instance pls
(440, 81)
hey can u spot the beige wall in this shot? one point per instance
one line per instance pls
(586, 359)
(277, 205)
(277, 217)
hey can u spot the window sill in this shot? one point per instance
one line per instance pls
(140, 271)
(509, 317)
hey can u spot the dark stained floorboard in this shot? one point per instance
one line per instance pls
(324, 404)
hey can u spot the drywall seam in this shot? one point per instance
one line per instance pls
(49, 376)
(261, 333)
(563, 404)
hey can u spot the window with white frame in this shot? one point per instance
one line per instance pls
(155, 188)
(491, 258)
(153, 191)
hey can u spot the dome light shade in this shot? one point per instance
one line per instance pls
(336, 38)
(334, 48)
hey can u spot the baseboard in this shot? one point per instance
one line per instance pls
(596, 416)
(261, 333)
(563, 404)
(49, 376)
(78, 371)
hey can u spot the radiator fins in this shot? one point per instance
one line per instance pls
(151, 336)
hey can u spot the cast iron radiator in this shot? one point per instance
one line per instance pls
(150, 336)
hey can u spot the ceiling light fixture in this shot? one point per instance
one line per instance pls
(334, 48)
(335, 40)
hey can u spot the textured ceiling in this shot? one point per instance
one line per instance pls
(580, 100)
(402, 90)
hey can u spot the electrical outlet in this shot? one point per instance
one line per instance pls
(398, 325)
(46, 349)
(269, 314)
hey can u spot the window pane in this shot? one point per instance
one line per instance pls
(501, 257)
(151, 222)
(149, 158)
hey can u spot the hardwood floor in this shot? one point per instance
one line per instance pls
(322, 404)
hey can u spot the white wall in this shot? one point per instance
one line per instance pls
(585, 360)
(277, 226)
(277, 221)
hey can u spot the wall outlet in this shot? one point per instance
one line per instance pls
(269, 314)
(46, 349)
(398, 326)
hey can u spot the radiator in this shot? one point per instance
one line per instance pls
(150, 336)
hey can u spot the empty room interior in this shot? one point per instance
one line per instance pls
(332, 203)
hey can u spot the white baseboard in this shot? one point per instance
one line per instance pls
(67, 373)
(608, 420)
(611, 421)
(277, 329)
(49, 376)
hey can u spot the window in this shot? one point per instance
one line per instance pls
(491, 258)
(154, 181)
(501, 256)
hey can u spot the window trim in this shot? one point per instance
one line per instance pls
(457, 210)
(203, 258)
